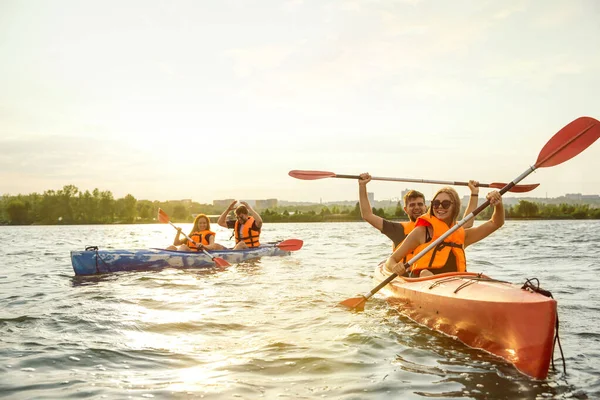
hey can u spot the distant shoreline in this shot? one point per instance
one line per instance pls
(290, 222)
(69, 206)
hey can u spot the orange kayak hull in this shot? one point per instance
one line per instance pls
(498, 317)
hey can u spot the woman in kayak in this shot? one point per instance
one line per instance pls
(449, 255)
(200, 234)
(414, 207)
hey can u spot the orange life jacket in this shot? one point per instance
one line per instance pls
(437, 257)
(199, 237)
(249, 236)
(408, 228)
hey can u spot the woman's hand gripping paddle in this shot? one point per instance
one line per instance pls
(164, 218)
(564, 145)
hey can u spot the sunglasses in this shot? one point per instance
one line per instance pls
(445, 204)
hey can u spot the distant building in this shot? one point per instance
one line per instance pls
(268, 203)
(581, 197)
(371, 197)
(184, 202)
(222, 203)
(403, 193)
(264, 204)
(590, 197)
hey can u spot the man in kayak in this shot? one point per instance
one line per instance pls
(414, 207)
(448, 255)
(246, 226)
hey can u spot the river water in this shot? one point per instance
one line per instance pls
(270, 328)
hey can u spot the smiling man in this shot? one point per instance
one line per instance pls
(246, 226)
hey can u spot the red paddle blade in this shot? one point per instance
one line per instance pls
(569, 141)
(163, 217)
(220, 262)
(290, 244)
(310, 175)
(354, 303)
(516, 188)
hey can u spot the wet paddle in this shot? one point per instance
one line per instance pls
(164, 218)
(564, 145)
(287, 245)
(313, 175)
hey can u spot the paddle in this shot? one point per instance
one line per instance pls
(564, 145)
(312, 175)
(164, 218)
(287, 245)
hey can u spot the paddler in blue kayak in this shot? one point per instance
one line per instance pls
(414, 207)
(449, 255)
(200, 234)
(246, 225)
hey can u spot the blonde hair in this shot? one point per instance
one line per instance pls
(455, 202)
(195, 228)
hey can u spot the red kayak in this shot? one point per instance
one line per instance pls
(498, 317)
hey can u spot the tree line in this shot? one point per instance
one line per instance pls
(524, 210)
(70, 206)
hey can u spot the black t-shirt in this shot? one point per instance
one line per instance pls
(394, 231)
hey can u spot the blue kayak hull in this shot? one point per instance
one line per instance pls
(90, 262)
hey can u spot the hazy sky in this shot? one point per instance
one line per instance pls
(220, 99)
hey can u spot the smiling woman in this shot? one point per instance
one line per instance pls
(448, 255)
(200, 237)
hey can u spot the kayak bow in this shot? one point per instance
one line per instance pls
(515, 324)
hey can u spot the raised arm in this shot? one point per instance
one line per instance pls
(473, 200)
(366, 212)
(474, 235)
(222, 221)
(257, 219)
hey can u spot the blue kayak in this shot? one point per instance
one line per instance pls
(94, 261)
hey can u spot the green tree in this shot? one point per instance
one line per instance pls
(399, 212)
(49, 210)
(144, 209)
(18, 212)
(66, 203)
(581, 211)
(126, 209)
(356, 211)
(325, 211)
(527, 209)
(379, 212)
(180, 213)
(107, 207)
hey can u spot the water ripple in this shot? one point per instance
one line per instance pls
(271, 328)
